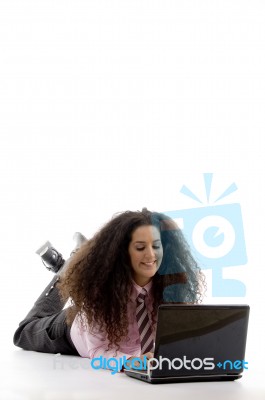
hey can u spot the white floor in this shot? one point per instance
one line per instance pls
(31, 376)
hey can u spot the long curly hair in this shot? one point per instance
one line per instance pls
(98, 278)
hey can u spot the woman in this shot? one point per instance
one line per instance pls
(116, 281)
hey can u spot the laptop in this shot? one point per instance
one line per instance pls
(196, 343)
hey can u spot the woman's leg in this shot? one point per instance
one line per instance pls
(44, 328)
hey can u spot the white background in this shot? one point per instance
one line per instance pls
(113, 105)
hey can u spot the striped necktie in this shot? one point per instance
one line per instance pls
(143, 322)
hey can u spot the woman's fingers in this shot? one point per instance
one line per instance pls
(143, 358)
(148, 355)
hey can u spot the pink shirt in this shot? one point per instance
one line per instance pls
(92, 345)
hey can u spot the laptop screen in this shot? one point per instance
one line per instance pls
(200, 340)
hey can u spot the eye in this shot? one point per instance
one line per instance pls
(142, 248)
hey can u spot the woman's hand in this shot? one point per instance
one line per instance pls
(143, 357)
(148, 355)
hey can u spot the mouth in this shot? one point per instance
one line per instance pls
(149, 264)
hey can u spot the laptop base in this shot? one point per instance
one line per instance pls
(181, 379)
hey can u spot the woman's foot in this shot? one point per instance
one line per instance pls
(79, 239)
(52, 259)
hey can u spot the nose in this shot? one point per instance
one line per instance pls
(149, 254)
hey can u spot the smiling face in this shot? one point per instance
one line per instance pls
(146, 253)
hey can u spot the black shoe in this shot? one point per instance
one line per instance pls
(51, 258)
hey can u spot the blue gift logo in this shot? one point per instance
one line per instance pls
(216, 237)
